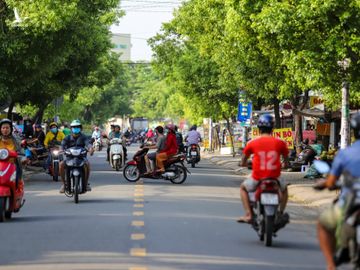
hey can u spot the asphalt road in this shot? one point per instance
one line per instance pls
(155, 225)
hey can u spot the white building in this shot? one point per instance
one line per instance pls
(122, 44)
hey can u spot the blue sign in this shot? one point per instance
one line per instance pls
(244, 111)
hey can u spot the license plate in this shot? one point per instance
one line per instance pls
(193, 153)
(358, 234)
(269, 199)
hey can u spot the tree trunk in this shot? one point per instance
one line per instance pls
(277, 113)
(10, 109)
(37, 119)
(228, 126)
(298, 129)
(299, 106)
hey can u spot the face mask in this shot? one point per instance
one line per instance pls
(54, 130)
(76, 130)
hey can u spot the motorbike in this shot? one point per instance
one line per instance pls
(348, 229)
(56, 157)
(193, 155)
(116, 155)
(11, 191)
(97, 144)
(265, 202)
(75, 174)
(36, 156)
(175, 170)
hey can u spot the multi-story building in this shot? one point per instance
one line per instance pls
(122, 44)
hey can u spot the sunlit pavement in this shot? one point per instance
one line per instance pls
(152, 224)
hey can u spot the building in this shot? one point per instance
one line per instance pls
(122, 45)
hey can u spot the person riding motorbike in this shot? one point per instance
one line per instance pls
(347, 160)
(116, 134)
(53, 139)
(193, 137)
(36, 143)
(8, 141)
(266, 164)
(171, 148)
(77, 138)
(179, 140)
(159, 146)
(97, 133)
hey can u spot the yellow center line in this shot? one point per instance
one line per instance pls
(138, 223)
(137, 236)
(138, 213)
(138, 268)
(138, 252)
(138, 205)
(139, 200)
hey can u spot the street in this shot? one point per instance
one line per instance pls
(155, 225)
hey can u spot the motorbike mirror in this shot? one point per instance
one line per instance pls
(321, 166)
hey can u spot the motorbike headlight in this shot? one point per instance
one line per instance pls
(4, 154)
(13, 176)
(55, 152)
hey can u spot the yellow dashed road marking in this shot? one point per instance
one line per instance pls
(138, 213)
(138, 205)
(139, 194)
(138, 252)
(138, 223)
(139, 200)
(138, 268)
(137, 236)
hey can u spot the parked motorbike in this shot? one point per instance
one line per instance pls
(75, 173)
(11, 191)
(56, 157)
(348, 229)
(193, 155)
(97, 144)
(175, 170)
(265, 202)
(116, 155)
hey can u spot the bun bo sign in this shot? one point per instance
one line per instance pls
(284, 134)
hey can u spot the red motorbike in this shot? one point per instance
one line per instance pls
(11, 189)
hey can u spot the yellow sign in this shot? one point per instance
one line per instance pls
(284, 134)
(316, 101)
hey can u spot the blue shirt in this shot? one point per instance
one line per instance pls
(347, 160)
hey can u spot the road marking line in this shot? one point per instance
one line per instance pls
(138, 268)
(137, 236)
(139, 194)
(138, 205)
(138, 213)
(138, 252)
(138, 223)
(139, 200)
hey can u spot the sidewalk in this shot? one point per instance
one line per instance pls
(300, 188)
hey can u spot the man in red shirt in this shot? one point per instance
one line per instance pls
(170, 149)
(266, 163)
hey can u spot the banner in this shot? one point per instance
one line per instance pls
(284, 134)
(244, 112)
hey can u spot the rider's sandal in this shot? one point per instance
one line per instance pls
(244, 220)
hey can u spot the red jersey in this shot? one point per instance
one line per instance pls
(266, 160)
(171, 146)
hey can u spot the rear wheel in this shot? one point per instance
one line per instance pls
(56, 171)
(131, 173)
(181, 175)
(2, 209)
(76, 189)
(269, 229)
(118, 165)
(193, 164)
(8, 214)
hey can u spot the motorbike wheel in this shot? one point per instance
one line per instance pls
(131, 173)
(56, 172)
(117, 165)
(76, 189)
(2, 209)
(193, 164)
(181, 175)
(269, 229)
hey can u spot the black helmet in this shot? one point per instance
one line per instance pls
(266, 121)
(355, 124)
(7, 121)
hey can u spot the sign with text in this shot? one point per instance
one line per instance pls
(244, 111)
(284, 134)
(316, 102)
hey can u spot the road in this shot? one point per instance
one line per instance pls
(155, 225)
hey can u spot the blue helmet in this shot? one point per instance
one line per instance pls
(266, 121)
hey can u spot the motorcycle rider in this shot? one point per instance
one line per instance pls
(53, 138)
(159, 146)
(8, 141)
(77, 138)
(193, 137)
(347, 160)
(266, 164)
(179, 140)
(116, 134)
(170, 149)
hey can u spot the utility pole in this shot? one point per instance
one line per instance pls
(345, 114)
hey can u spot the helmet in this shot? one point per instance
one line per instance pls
(53, 124)
(266, 121)
(96, 128)
(170, 127)
(355, 124)
(117, 126)
(7, 121)
(76, 123)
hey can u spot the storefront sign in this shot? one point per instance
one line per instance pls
(309, 134)
(284, 134)
(316, 101)
(244, 111)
